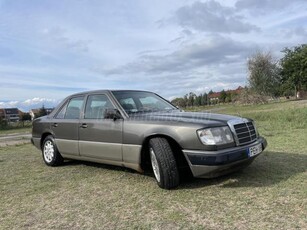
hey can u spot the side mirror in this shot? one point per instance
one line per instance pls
(112, 114)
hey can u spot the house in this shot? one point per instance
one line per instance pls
(34, 113)
(10, 114)
(236, 91)
(2, 114)
(215, 96)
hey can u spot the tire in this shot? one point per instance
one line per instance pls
(51, 155)
(163, 163)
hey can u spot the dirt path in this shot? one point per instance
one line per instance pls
(14, 139)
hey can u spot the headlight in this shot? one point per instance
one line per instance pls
(215, 136)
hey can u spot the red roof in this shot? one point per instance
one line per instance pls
(214, 95)
(218, 94)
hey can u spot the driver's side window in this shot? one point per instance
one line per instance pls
(96, 107)
(128, 104)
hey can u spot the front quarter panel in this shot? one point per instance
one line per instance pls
(135, 132)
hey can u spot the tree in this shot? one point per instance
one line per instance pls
(42, 112)
(179, 101)
(228, 97)
(223, 96)
(264, 74)
(204, 99)
(185, 98)
(197, 101)
(294, 68)
(191, 99)
(3, 123)
(25, 117)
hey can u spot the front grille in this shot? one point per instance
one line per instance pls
(245, 132)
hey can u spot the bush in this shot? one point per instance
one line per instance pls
(247, 96)
(3, 123)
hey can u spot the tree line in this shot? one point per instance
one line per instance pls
(267, 77)
(191, 99)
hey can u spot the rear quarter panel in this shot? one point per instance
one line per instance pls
(40, 126)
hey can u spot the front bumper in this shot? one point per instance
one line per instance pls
(208, 164)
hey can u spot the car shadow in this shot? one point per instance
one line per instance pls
(268, 169)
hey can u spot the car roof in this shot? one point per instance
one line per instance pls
(108, 91)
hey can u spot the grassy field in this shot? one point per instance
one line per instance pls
(269, 194)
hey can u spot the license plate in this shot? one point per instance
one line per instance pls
(255, 150)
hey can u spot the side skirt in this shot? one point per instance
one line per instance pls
(133, 166)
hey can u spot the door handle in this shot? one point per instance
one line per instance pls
(84, 125)
(55, 125)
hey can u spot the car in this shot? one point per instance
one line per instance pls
(142, 131)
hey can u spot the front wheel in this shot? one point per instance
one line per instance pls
(163, 163)
(51, 155)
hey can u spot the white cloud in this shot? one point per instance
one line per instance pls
(28, 104)
(37, 100)
(9, 104)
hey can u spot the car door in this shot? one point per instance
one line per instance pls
(65, 126)
(100, 137)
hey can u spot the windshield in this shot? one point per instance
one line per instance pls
(136, 102)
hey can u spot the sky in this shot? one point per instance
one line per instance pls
(51, 49)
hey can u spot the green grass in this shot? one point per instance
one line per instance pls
(269, 194)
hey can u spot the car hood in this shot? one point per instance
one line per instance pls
(209, 119)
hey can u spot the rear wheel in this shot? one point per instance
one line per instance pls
(51, 155)
(163, 163)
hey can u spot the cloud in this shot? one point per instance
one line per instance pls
(9, 104)
(215, 63)
(59, 36)
(213, 51)
(299, 32)
(47, 50)
(28, 104)
(37, 100)
(265, 5)
(211, 16)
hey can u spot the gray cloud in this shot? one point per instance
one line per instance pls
(297, 31)
(215, 63)
(265, 5)
(213, 51)
(211, 16)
